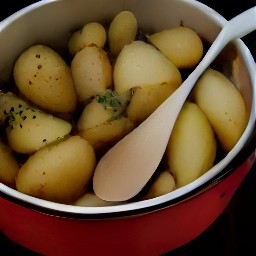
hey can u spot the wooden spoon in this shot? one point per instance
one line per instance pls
(125, 169)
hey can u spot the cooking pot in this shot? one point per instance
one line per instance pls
(150, 227)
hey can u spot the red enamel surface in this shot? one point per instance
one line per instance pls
(149, 234)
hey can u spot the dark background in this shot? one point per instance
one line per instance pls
(233, 233)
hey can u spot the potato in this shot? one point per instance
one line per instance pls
(92, 33)
(140, 64)
(105, 106)
(182, 46)
(163, 184)
(122, 31)
(44, 78)
(9, 166)
(146, 99)
(58, 172)
(92, 115)
(29, 128)
(91, 200)
(191, 149)
(223, 105)
(104, 135)
(102, 121)
(91, 71)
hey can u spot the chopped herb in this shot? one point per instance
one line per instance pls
(114, 102)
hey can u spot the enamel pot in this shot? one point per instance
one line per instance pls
(150, 227)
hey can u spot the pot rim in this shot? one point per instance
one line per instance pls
(222, 169)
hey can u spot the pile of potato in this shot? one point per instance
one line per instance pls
(65, 115)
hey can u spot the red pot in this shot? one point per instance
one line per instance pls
(150, 227)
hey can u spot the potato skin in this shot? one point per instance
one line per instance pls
(44, 78)
(223, 105)
(182, 46)
(104, 135)
(146, 99)
(140, 64)
(91, 71)
(58, 172)
(191, 149)
(91, 200)
(30, 129)
(9, 166)
(163, 184)
(122, 31)
(92, 33)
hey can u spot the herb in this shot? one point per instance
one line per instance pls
(114, 102)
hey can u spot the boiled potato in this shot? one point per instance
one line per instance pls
(104, 135)
(163, 184)
(9, 166)
(140, 64)
(92, 115)
(44, 78)
(102, 121)
(91, 200)
(146, 99)
(122, 31)
(29, 128)
(223, 105)
(91, 71)
(104, 107)
(58, 172)
(92, 33)
(182, 46)
(192, 146)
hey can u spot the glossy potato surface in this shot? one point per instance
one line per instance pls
(91, 71)
(140, 64)
(223, 105)
(182, 46)
(58, 172)
(44, 78)
(192, 145)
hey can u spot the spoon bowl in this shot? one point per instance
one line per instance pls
(126, 168)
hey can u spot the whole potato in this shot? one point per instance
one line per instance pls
(29, 128)
(182, 46)
(58, 172)
(102, 121)
(45, 79)
(91, 71)
(92, 33)
(191, 149)
(140, 64)
(163, 184)
(9, 166)
(223, 105)
(122, 31)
